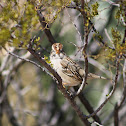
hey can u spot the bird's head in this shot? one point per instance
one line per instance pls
(57, 47)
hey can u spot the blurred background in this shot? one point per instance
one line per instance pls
(32, 94)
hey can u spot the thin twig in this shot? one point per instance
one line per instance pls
(109, 37)
(84, 50)
(30, 61)
(113, 3)
(124, 22)
(4, 63)
(122, 101)
(72, 7)
(96, 123)
(75, 27)
(124, 86)
(81, 87)
(111, 93)
(90, 22)
(99, 66)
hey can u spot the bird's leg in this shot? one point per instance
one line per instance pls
(68, 88)
(71, 93)
(64, 85)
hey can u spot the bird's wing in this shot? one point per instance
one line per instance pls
(70, 68)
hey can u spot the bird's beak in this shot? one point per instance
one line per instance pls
(57, 51)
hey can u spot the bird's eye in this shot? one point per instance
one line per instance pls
(55, 47)
(60, 46)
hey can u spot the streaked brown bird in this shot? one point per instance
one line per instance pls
(70, 72)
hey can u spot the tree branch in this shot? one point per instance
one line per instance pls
(122, 101)
(24, 58)
(111, 93)
(87, 105)
(45, 27)
(84, 49)
(116, 118)
(124, 86)
(112, 3)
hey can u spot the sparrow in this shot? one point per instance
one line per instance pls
(69, 71)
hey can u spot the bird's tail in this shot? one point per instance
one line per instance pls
(94, 76)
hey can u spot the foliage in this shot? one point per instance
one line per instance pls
(53, 8)
(18, 24)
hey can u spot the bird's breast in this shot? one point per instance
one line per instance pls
(69, 81)
(56, 64)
